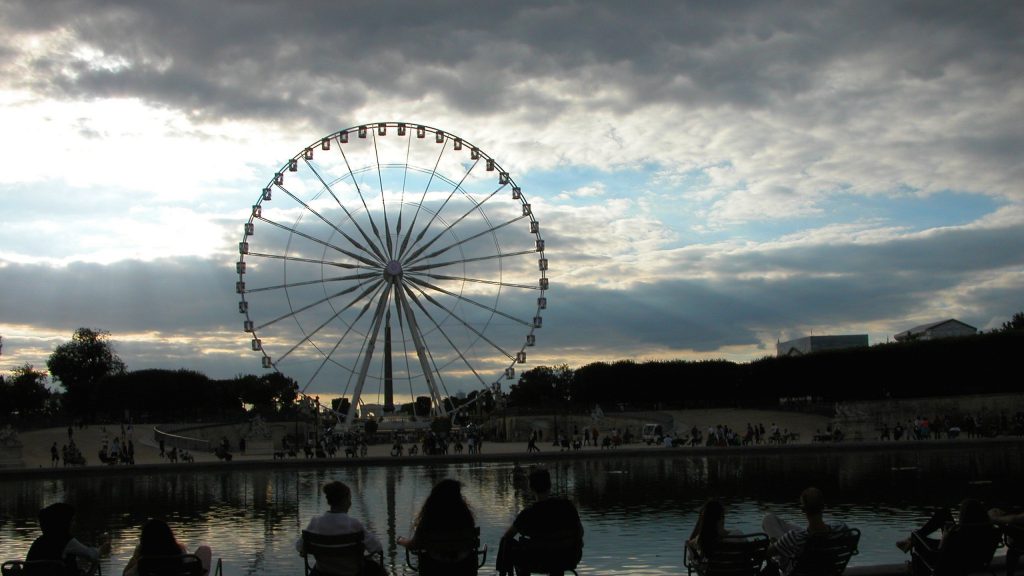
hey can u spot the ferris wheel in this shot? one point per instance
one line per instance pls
(390, 261)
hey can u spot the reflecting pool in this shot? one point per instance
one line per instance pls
(636, 510)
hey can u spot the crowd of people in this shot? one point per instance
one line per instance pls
(526, 548)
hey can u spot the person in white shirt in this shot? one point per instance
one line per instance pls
(336, 521)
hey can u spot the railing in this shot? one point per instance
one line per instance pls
(180, 442)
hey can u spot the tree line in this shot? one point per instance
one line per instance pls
(980, 364)
(97, 385)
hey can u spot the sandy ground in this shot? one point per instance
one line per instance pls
(36, 443)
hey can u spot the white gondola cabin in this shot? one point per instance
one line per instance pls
(401, 128)
(439, 137)
(243, 247)
(538, 321)
(534, 227)
(517, 193)
(542, 303)
(510, 373)
(257, 211)
(520, 357)
(250, 229)
(240, 287)
(267, 363)
(243, 307)
(256, 344)
(531, 340)
(307, 154)
(362, 131)
(382, 129)
(325, 144)
(247, 326)
(293, 165)
(343, 137)
(240, 267)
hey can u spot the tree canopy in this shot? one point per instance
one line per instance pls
(24, 393)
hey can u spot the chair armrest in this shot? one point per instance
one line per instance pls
(483, 557)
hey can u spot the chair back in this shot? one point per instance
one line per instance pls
(171, 565)
(449, 552)
(553, 552)
(340, 554)
(827, 554)
(732, 555)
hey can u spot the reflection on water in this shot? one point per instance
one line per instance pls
(636, 511)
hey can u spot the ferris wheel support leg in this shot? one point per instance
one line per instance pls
(378, 317)
(421, 353)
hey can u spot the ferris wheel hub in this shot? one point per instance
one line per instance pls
(393, 269)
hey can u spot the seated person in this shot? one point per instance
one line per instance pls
(336, 521)
(444, 512)
(709, 530)
(157, 539)
(1014, 547)
(57, 543)
(972, 515)
(789, 539)
(539, 522)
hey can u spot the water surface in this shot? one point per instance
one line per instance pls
(636, 511)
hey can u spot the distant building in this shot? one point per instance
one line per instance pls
(951, 328)
(810, 344)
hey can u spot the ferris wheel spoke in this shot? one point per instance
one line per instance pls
(444, 333)
(369, 215)
(415, 256)
(481, 281)
(405, 179)
(318, 302)
(339, 249)
(362, 276)
(425, 284)
(307, 260)
(462, 321)
(426, 360)
(455, 188)
(423, 197)
(369, 343)
(373, 248)
(373, 287)
(337, 343)
(434, 265)
(383, 206)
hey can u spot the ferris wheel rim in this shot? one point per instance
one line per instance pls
(384, 255)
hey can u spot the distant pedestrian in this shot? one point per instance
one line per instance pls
(54, 455)
(71, 433)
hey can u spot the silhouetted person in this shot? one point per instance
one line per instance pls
(545, 519)
(444, 512)
(336, 521)
(57, 543)
(157, 539)
(788, 539)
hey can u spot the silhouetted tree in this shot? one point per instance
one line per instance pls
(1015, 323)
(79, 365)
(24, 392)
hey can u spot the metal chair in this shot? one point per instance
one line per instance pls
(450, 553)
(172, 565)
(733, 555)
(552, 553)
(965, 549)
(827, 554)
(337, 555)
(47, 568)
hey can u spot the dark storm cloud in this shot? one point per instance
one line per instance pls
(300, 61)
(180, 296)
(742, 297)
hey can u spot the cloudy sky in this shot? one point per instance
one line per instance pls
(711, 177)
